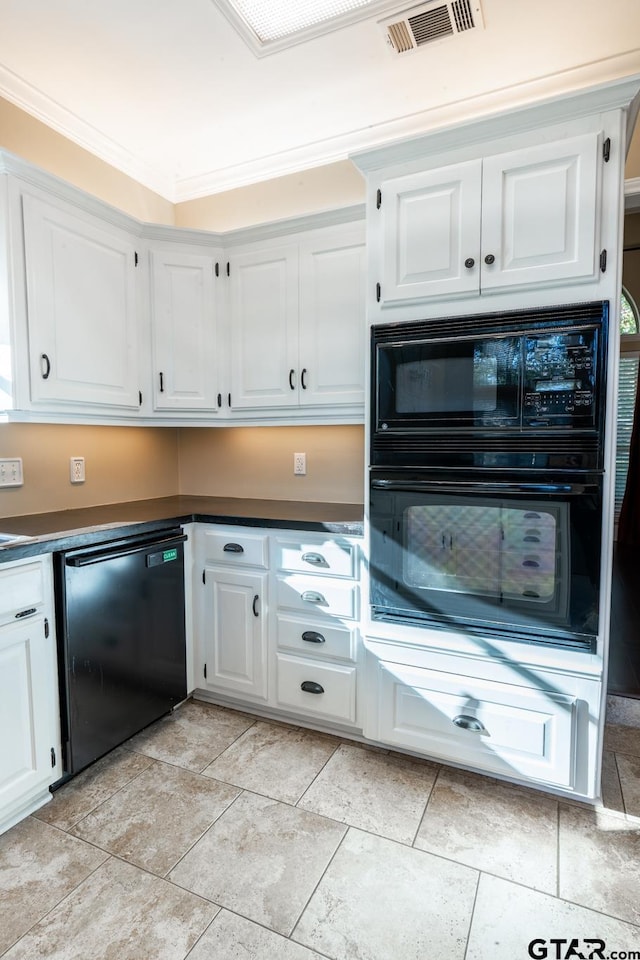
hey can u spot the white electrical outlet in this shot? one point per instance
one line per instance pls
(299, 464)
(11, 472)
(76, 469)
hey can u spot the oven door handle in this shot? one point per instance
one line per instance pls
(479, 486)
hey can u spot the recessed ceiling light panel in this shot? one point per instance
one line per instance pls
(271, 25)
(272, 19)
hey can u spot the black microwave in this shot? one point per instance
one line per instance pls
(526, 380)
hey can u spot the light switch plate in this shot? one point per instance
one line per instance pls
(11, 472)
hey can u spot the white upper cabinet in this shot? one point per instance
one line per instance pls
(105, 319)
(332, 317)
(431, 224)
(184, 324)
(81, 307)
(540, 214)
(514, 219)
(263, 326)
(297, 322)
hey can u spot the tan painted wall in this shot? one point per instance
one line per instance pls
(258, 462)
(32, 140)
(122, 463)
(322, 188)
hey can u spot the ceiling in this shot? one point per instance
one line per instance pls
(171, 94)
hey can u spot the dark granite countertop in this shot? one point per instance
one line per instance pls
(68, 529)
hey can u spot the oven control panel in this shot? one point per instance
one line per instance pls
(560, 378)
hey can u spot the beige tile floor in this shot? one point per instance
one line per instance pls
(217, 836)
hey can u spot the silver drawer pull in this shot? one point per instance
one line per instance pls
(310, 686)
(233, 548)
(311, 636)
(468, 723)
(315, 558)
(311, 596)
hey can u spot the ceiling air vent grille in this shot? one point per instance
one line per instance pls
(431, 25)
(463, 15)
(418, 26)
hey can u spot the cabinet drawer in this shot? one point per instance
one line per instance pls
(316, 638)
(329, 557)
(21, 587)
(235, 547)
(335, 685)
(334, 598)
(499, 727)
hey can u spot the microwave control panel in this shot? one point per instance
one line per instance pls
(560, 377)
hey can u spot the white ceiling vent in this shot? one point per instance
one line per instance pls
(414, 28)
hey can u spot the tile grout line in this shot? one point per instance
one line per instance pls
(473, 910)
(310, 784)
(426, 807)
(165, 876)
(320, 879)
(58, 903)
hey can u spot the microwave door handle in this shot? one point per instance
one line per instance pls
(480, 486)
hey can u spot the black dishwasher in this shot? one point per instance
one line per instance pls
(121, 640)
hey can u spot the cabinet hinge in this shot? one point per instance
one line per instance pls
(228, 269)
(603, 261)
(53, 757)
(135, 258)
(205, 671)
(378, 198)
(217, 269)
(46, 628)
(378, 292)
(606, 150)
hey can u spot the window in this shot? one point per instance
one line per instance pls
(628, 379)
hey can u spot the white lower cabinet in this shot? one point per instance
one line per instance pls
(317, 595)
(536, 727)
(29, 716)
(323, 689)
(232, 615)
(278, 628)
(276, 621)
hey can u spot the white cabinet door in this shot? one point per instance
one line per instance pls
(81, 307)
(264, 327)
(431, 233)
(184, 330)
(332, 317)
(539, 214)
(235, 632)
(534, 208)
(27, 735)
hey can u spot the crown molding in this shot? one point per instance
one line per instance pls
(547, 96)
(37, 104)
(490, 117)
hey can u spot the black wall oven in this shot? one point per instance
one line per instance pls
(486, 483)
(516, 557)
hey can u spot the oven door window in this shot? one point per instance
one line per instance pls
(490, 550)
(523, 565)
